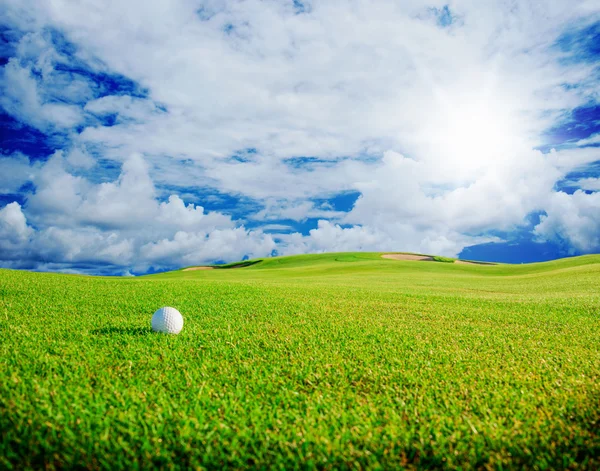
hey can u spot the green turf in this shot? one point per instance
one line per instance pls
(320, 361)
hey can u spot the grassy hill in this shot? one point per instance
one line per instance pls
(316, 361)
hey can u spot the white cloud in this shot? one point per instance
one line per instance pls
(13, 225)
(20, 97)
(568, 160)
(320, 84)
(15, 171)
(572, 218)
(126, 107)
(330, 237)
(591, 184)
(195, 248)
(595, 139)
(397, 199)
(129, 202)
(293, 210)
(176, 213)
(79, 158)
(120, 223)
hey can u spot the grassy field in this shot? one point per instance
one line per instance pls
(321, 361)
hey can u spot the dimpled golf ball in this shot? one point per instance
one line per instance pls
(168, 320)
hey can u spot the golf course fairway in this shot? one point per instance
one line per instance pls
(331, 361)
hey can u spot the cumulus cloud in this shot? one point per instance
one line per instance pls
(78, 157)
(120, 223)
(13, 225)
(193, 248)
(399, 199)
(329, 237)
(572, 218)
(431, 111)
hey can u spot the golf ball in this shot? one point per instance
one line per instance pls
(168, 320)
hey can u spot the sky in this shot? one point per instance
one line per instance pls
(142, 136)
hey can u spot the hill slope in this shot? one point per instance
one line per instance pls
(556, 278)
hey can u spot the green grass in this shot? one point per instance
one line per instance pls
(320, 361)
(438, 258)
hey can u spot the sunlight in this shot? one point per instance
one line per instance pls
(474, 129)
(474, 134)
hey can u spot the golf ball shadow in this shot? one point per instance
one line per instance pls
(112, 330)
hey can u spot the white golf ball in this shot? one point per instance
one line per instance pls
(168, 320)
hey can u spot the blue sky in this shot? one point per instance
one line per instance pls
(145, 136)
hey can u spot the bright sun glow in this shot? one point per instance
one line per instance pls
(471, 133)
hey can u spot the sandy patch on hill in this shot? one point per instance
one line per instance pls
(197, 268)
(425, 258)
(407, 256)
